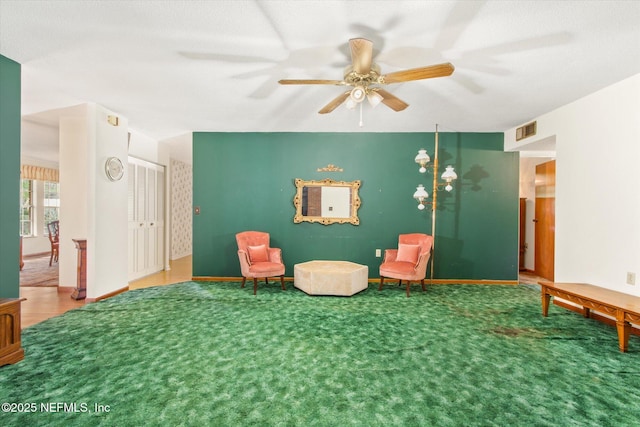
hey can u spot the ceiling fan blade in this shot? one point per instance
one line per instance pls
(361, 55)
(335, 103)
(440, 70)
(311, 82)
(392, 101)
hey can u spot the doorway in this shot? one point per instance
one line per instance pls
(146, 193)
(545, 220)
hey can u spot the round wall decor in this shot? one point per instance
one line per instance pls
(114, 168)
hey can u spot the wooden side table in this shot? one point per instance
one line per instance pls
(10, 345)
(81, 287)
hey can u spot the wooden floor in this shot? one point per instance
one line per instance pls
(45, 302)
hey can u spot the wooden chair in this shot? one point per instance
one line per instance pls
(54, 238)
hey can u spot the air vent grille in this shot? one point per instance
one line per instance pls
(526, 131)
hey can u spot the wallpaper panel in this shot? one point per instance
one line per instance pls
(477, 223)
(181, 202)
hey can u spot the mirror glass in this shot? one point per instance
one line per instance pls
(327, 201)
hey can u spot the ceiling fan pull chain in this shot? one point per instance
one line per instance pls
(361, 123)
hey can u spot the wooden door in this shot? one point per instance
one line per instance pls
(545, 220)
(523, 231)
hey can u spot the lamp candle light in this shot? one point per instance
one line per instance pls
(449, 175)
(420, 195)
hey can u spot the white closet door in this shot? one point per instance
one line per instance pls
(132, 219)
(146, 221)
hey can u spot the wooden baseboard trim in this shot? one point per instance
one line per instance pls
(472, 282)
(109, 295)
(36, 255)
(376, 280)
(218, 279)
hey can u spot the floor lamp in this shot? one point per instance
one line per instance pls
(421, 194)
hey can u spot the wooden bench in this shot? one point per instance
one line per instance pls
(622, 307)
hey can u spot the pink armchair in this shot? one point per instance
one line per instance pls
(258, 259)
(409, 261)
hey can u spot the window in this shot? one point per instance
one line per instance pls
(51, 203)
(26, 207)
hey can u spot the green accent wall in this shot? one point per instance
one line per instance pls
(9, 177)
(245, 181)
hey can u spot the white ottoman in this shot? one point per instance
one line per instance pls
(341, 278)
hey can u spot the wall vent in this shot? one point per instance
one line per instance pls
(526, 131)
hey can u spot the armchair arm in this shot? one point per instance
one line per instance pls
(245, 263)
(275, 255)
(423, 260)
(390, 255)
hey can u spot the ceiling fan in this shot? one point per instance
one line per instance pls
(365, 79)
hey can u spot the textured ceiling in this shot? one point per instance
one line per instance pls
(173, 67)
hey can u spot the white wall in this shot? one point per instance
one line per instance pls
(107, 239)
(145, 148)
(181, 147)
(597, 185)
(39, 140)
(73, 191)
(93, 207)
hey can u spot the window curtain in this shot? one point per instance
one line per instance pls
(39, 173)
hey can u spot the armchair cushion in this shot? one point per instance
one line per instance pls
(408, 253)
(258, 253)
(267, 269)
(399, 270)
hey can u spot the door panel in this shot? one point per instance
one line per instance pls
(523, 230)
(545, 220)
(146, 218)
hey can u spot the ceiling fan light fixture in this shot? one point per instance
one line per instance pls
(364, 78)
(374, 98)
(358, 94)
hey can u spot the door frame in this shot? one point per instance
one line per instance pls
(544, 219)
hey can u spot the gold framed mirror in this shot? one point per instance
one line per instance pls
(327, 201)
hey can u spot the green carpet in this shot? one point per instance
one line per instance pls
(212, 354)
